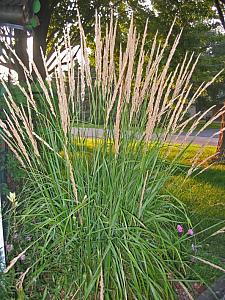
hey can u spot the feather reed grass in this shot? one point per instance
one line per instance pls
(102, 224)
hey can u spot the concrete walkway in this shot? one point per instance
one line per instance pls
(203, 138)
(207, 136)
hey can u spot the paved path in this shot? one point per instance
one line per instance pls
(203, 138)
(207, 136)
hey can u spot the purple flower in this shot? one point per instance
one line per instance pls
(28, 238)
(180, 229)
(15, 237)
(22, 257)
(190, 232)
(9, 247)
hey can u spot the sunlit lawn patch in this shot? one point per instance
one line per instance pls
(204, 195)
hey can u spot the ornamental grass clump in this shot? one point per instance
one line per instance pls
(100, 221)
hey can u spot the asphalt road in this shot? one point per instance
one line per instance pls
(206, 137)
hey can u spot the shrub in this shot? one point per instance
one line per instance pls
(97, 221)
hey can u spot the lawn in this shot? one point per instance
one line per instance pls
(213, 125)
(204, 196)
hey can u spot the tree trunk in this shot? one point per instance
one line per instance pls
(39, 42)
(40, 37)
(221, 142)
(21, 51)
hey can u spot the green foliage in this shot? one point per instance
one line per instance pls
(202, 35)
(36, 6)
(135, 245)
(65, 12)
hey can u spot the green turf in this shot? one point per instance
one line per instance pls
(214, 125)
(204, 196)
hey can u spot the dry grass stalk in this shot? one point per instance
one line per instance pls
(98, 49)
(13, 52)
(101, 284)
(44, 89)
(131, 59)
(187, 74)
(118, 119)
(14, 261)
(150, 70)
(71, 68)
(13, 108)
(184, 70)
(209, 263)
(86, 64)
(45, 143)
(186, 291)
(174, 95)
(105, 62)
(215, 117)
(140, 69)
(82, 71)
(5, 129)
(182, 126)
(220, 231)
(108, 67)
(29, 96)
(150, 126)
(16, 113)
(48, 77)
(195, 165)
(180, 107)
(30, 121)
(13, 149)
(19, 284)
(29, 130)
(168, 101)
(104, 56)
(113, 31)
(62, 99)
(175, 122)
(152, 118)
(17, 137)
(78, 87)
(196, 122)
(119, 83)
(193, 99)
(16, 116)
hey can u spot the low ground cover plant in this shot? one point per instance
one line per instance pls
(99, 223)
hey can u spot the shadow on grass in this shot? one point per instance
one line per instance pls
(214, 175)
(204, 193)
(204, 197)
